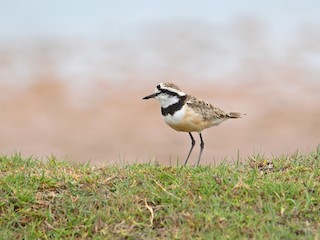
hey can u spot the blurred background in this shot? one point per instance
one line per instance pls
(73, 74)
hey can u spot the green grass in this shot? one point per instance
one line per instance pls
(260, 198)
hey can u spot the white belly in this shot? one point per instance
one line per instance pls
(187, 120)
(175, 119)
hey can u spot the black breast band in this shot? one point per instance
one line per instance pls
(174, 107)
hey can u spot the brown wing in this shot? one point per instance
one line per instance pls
(205, 109)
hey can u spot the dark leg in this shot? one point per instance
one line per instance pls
(193, 142)
(201, 148)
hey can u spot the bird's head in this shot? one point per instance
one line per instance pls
(167, 94)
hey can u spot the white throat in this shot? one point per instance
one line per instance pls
(166, 100)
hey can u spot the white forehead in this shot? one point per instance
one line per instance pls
(168, 88)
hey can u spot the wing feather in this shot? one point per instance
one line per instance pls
(205, 109)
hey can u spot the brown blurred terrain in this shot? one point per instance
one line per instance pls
(115, 125)
(43, 112)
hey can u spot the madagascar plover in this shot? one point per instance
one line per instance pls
(186, 113)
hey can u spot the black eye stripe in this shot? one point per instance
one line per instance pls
(168, 92)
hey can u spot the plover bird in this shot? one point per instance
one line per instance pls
(186, 113)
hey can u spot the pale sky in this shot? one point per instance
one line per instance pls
(124, 19)
(94, 18)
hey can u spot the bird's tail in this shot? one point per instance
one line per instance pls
(235, 115)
